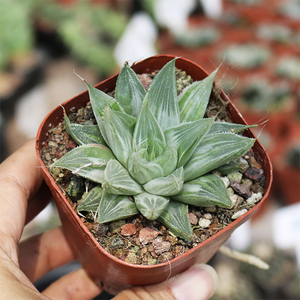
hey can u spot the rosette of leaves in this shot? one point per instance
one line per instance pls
(152, 152)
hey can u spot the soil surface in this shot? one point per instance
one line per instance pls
(136, 239)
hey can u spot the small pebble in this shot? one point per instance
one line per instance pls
(52, 144)
(161, 246)
(211, 209)
(147, 234)
(253, 163)
(235, 176)
(240, 189)
(247, 183)
(207, 216)
(226, 181)
(254, 198)
(128, 230)
(204, 223)
(239, 214)
(254, 173)
(234, 199)
(193, 219)
(243, 164)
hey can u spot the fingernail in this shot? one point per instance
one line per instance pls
(197, 283)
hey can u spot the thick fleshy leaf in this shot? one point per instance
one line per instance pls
(194, 99)
(118, 132)
(207, 190)
(142, 170)
(231, 167)
(218, 127)
(118, 181)
(130, 92)
(147, 128)
(108, 207)
(150, 206)
(166, 186)
(168, 160)
(84, 134)
(214, 151)
(162, 97)
(100, 101)
(87, 161)
(186, 137)
(175, 217)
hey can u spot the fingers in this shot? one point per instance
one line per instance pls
(20, 178)
(42, 253)
(74, 286)
(197, 283)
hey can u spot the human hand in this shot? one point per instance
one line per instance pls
(23, 196)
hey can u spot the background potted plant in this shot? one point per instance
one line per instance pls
(142, 183)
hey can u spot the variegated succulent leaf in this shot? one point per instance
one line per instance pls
(84, 134)
(130, 92)
(151, 206)
(207, 190)
(160, 151)
(87, 161)
(107, 207)
(214, 151)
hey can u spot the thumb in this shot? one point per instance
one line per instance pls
(197, 283)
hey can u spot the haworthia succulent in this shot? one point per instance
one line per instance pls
(87, 161)
(162, 97)
(151, 206)
(193, 100)
(130, 92)
(214, 151)
(207, 190)
(160, 151)
(175, 217)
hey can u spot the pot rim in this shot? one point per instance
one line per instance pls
(83, 227)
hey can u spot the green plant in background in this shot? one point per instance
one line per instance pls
(245, 56)
(275, 32)
(16, 32)
(152, 152)
(262, 96)
(198, 37)
(89, 31)
(289, 67)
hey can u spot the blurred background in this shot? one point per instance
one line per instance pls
(256, 41)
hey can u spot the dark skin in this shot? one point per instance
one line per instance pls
(23, 195)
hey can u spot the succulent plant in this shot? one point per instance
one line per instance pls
(245, 56)
(152, 152)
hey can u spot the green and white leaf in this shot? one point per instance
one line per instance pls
(147, 128)
(207, 190)
(166, 186)
(87, 161)
(150, 206)
(162, 97)
(219, 127)
(231, 167)
(168, 160)
(214, 151)
(175, 217)
(118, 181)
(100, 100)
(108, 207)
(141, 169)
(130, 92)
(118, 132)
(185, 137)
(194, 99)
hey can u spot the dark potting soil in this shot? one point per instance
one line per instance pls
(136, 239)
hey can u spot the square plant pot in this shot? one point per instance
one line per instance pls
(101, 266)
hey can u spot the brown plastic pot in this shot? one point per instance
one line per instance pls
(114, 273)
